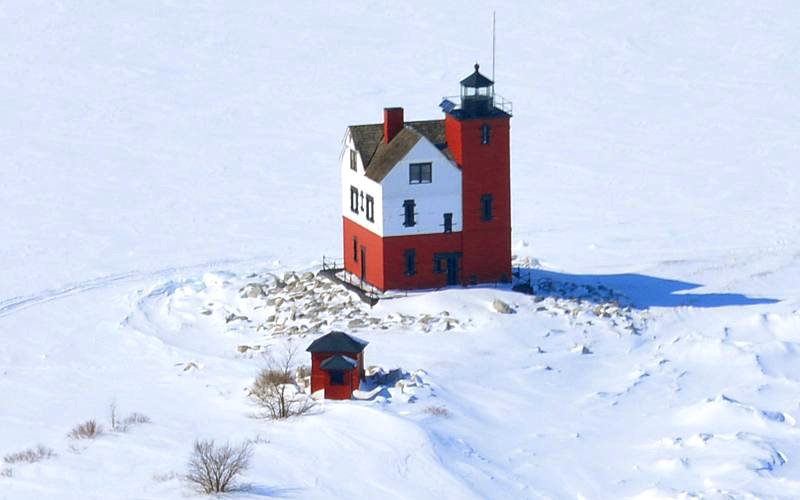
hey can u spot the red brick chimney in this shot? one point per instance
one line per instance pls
(392, 123)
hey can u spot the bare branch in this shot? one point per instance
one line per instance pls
(213, 469)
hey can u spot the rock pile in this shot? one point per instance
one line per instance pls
(586, 304)
(295, 303)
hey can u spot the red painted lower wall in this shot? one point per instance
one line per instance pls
(320, 379)
(372, 244)
(487, 256)
(425, 246)
(484, 256)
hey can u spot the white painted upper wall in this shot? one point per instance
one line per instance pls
(366, 187)
(442, 195)
(432, 201)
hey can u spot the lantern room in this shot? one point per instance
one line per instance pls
(477, 94)
(337, 364)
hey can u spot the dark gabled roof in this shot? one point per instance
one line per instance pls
(337, 342)
(476, 80)
(338, 363)
(387, 155)
(366, 139)
(379, 158)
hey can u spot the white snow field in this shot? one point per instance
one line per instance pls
(157, 156)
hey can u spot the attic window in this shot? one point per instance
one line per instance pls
(419, 173)
(353, 162)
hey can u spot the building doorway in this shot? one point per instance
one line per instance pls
(452, 270)
(450, 265)
(363, 264)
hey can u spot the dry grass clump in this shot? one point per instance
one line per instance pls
(126, 423)
(276, 390)
(87, 430)
(135, 419)
(214, 469)
(438, 411)
(30, 455)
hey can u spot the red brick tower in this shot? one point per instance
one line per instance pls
(478, 134)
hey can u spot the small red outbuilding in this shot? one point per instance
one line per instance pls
(337, 364)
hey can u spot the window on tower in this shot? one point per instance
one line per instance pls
(353, 162)
(486, 207)
(486, 133)
(419, 173)
(408, 213)
(354, 199)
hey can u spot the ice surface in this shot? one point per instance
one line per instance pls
(159, 156)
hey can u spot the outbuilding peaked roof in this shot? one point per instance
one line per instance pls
(337, 342)
(379, 158)
(476, 80)
(338, 362)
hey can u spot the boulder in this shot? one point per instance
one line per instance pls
(502, 307)
(235, 317)
(356, 323)
(581, 349)
(252, 291)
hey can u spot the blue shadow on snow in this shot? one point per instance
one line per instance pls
(648, 291)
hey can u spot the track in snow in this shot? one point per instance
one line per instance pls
(16, 304)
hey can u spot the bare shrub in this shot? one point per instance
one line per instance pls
(302, 372)
(437, 411)
(276, 391)
(6, 472)
(135, 419)
(214, 469)
(112, 408)
(124, 424)
(87, 430)
(163, 477)
(30, 455)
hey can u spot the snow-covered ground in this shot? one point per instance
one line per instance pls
(157, 156)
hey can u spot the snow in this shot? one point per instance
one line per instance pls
(158, 156)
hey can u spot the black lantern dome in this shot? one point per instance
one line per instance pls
(477, 94)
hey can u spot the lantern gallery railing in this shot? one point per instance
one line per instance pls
(450, 103)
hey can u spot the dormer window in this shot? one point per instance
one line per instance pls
(419, 173)
(353, 162)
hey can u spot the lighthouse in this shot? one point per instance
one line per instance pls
(427, 204)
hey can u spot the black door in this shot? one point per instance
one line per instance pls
(363, 263)
(452, 270)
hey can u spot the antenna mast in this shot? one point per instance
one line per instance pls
(493, 38)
